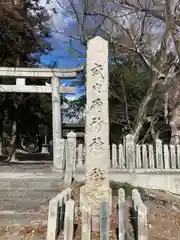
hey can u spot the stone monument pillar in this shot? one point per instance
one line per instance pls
(96, 189)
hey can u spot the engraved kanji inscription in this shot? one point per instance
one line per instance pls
(97, 144)
(97, 174)
(97, 87)
(97, 70)
(97, 104)
(96, 123)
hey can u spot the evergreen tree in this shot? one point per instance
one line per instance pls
(24, 34)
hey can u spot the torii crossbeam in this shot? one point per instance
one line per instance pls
(55, 88)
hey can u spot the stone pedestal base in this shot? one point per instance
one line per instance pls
(91, 196)
(44, 150)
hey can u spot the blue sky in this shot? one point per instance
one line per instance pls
(61, 53)
(64, 59)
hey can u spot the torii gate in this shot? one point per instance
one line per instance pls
(55, 88)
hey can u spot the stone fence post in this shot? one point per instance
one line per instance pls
(130, 152)
(69, 220)
(122, 214)
(140, 216)
(80, 155)
(159, 154)
(59, 163)
(70, 157)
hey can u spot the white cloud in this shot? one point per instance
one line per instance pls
(58, 19)
(55, 18)
(72, 97)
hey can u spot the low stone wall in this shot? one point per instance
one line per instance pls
(168, 180)
(148, 166)
(134, 156)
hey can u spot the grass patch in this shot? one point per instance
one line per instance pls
(117, 185)
(127, 187)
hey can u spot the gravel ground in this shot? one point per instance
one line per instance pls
(27, 200)
(163, 214)
(163, 218)
(113, 218)
(33, 231)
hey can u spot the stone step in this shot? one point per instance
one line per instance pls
(24, 196)
(26, 176)
(32, 156)
(15, 180)
(18, 200)
(27, 167)
(9, 218)
(23, 192)
(6, 195)
(21, 206)
(24, 156)
(30, 184)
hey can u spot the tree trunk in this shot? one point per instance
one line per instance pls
(1, 139)
(13, 145)
(12, 152)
